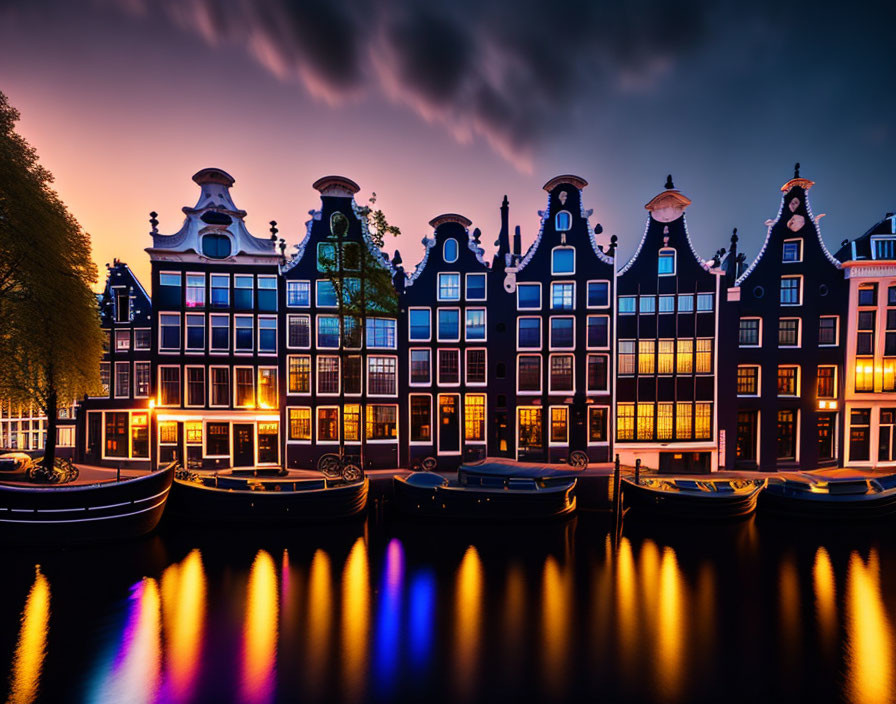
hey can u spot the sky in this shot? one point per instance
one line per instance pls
(447, 107)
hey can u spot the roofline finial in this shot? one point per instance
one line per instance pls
(669, 185)
(796, 170)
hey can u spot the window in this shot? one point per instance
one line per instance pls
(220, 290)
(298, 294)
(328, 331)
(141, 379)
(528, 296)
(685, 303)
(666, 262)
(169, 294)
(351, 422)
(598, 294)
(684, 423)
(195, 331)
(598, 331)
(449, 367)
(169, 386)
(449, 287)
(665, 358)
(598, 372)
(864, 374)
(625, 421)
(597, 425)
(563, 296)
(328, 425)
(646, 304)
(860, 435)
(667, 304)
(216, 246)
(789, 332)
(476, 290)
(704, 355)
(169, 331)
(328, 375)
(267, 387)
(790, 290)
(449, 325)
(645, 428)
(664, 426)
(528, 333)
(561, 377)
(421, 418)
(116, 435)
(326, 295)
(786, 434)
(243, 291)
(865, 327)
(626, 357)
(562, 332)
(704, 302)
(242, 333)
(889, 374)
(419, 324)
(884, 247)
(351, 332)
(217, 440)
(122, 380)
(382, 422)
(300, 424)
(685, 357)
(142, 339)
(195, 386)
(559, 425)
(747, 380)
(702, 421)
(244, 392)
(562, 221)
(474, 327)
(475, 367)
(351, 256)
(529, 373)
(267, 294)
(563, 261)
(195, 291)
(474, 418)
(298, 374)
(298, 331)
(827, 330)
(420, 366)
(382, 376)
(65, 436)
(792, 251)
(646, 360)
(827, 382)
(220, 325)
(122, 339)
(449, 250)
(220, 386)
(327, 261)
(788, 380)
(122, 306)
(748, 332)
(381, 333)
(627, 305)
(868, 295)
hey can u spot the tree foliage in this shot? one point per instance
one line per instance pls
(50, 337)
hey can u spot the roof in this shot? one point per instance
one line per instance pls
(500, 467)
(572, 180)
(336, 186)
(860, 248)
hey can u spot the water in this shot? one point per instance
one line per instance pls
(388, 610)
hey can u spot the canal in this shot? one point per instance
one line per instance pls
(395, 611)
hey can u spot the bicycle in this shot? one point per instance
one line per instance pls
(335, 465)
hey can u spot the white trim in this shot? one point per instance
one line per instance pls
(317, 374)
(432, 426)
(484, 287)
(540, 332)
(758, 368)
(557, 443)
(537, 392)
(563, 246)
(114, 380)
(439, 286)
(800, 291)
(799, 241)
(666, 250)
(159, 369)
(369, 359)
(563, 283)
(317, 303)
(448, 350)
(551, 346)
(456, 250)
(310, 374)
(799, 334)
(463, 434)
(316, 419)
(311, 421)
(292, 316)
(317, 342)
(258, 329)
(217, 350)
(439, 337)
(597, 392)
(229, 386)
(297, 282)
(418, 384)
(609, 294)
(250, 406)
(466, 376)
(588, 318)
(836, 342)
(187, 326)
(460, 421)
(484, 311)
(419, 308)
(540, 299)
(560, 392)
(186, 385)
(759, 332)
(180, 333)
(607, 429)
(251, 317)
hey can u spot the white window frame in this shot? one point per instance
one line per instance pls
(186, 386)
(609, 418)
(799, 241)
(758, 368)
(540, 359)
(159, 369)
(215, 350)
(536, 284)
(799, 381)
(229, 388)
(460, 323)
(310, 374)
(233, 396)
(750, 317)
(432, 426)
(467, 311)
(661, 252)
(476, 275)
(429, 310)
(317, 375)
(187, 275)
(127, 332)
(799, 334)
(556, 443)
(315, 416)
(609, 293)
(460, 371)
(194, 316)
(148, 377)
(267, 353)
(556, 218)
(411, 381)
(551, 390)
(551, 347)
(311, 423)
(799, 302)
(587, 342)
(836, 342)
(291, 316)
(554, 272)
(439, 286)
(367, 360)
(563, 283)
(114, 380)
(180, 323)
(317, 342)
(467, 381)
(598, 392)
(258, 370)
(236, 317)
(317, 286)
(296, 282)
(540, 332)
(148, 346)
(456, 250)
(394, 344)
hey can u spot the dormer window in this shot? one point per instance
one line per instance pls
(449, 250)
(563, 261)
(884, 247)
(666, 262)
(792, 251)
(216, 246)
(338, 224)
(562, 221)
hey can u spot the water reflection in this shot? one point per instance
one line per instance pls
(319, 619)
(260, 631)
(556, 602)
(467, 622)
(388, 625)
(355, 620)
(31, 649)
(825, 600)
(183, 610)
(670, 628)
(422, 613)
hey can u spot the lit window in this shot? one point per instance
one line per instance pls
(382, 422)
(702, 420)
(474, 417)
(864, 374)
(664, 421)
(685, 357)
(244, 392)
(597, 424)
(625, 421)
(704, 355)
(788, 380)
(299, 374)
(646, 350)
(559, 424)
(449, 250)
(747, 380)
(827, 382)
(626, 356)
(328, 425)
(300, 424)
(563, 261)
(665, 362)
(645, 421)
(683, 421)
(195, 291)
(666, 262)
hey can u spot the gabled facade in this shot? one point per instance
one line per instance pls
(446, 345)
(792, 303)
(559, 329)
(869, 263)
(668, 310)
(340, 384)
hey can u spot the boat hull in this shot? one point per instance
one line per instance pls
(465, 503)
(688, 505)
(780, 501)
(84, 513)
(193, 501)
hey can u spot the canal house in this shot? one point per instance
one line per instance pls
(559, 317)
(338, 357)
(792, 303)
(215, 336)
(445, 302)
(668, 302)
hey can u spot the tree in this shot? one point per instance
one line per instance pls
(50, 336)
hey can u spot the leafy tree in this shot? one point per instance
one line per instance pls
(50, 336)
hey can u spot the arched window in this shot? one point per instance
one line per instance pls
(216, 246)
(666, 262)
(449, 250)
(563, 261)
(338, 224)
(563, 221)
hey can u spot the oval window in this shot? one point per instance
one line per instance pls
(563, 221)
(823, 290)
(449, 251)
(216, 246)
(338, 224)
(759, 292)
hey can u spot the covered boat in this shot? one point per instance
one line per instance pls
(230, 497)
(835, 497)
(79, 513)
(692, 498)
(493, 471)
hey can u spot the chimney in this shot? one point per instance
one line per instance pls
(517, 244)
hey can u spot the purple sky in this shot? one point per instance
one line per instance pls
(447, 108)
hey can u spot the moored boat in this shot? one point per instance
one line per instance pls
(231, 497)
(79, 513)
(830, 497)
(692, 498)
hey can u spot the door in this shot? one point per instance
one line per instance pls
(530, 439)
(94, 436)
(826, 424)
(243, 445)
(746, 437)
(449, 424)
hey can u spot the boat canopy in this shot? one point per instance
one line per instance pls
(501, 467)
